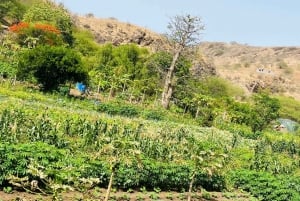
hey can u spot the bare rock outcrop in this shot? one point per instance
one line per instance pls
(113, 31)
(202, 68)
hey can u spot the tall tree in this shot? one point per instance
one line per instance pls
(184, 31)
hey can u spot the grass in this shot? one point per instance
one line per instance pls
(290, 108)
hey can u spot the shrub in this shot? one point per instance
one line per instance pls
(152, 115)
(266, 109)
(258, 115)
(290, 108)
(7, 69)
(56, 15)
(31, 35)
(118, 109)
(50, 66)
(240, 129)
(266, 186)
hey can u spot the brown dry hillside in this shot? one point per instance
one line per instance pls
(116, 32)
(274, 68)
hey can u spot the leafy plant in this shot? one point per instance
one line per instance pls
(206, 195)
(154, 196)
(143, 189)
(140, 197)
(157, 190)
(118, 109)
(266, 186)
(7, 189)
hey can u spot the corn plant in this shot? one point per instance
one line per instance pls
(10, 125)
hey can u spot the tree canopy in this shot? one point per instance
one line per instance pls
(51, 66)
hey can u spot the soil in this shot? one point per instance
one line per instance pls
(98, 195)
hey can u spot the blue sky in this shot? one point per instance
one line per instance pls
(253, 22)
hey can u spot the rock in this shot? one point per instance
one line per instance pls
(202, 68)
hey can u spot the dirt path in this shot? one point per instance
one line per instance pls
(98, 195)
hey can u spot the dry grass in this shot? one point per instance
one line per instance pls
(116, 32)
(241, 63)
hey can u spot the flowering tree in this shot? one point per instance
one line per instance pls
(57, 15)
(30, 35)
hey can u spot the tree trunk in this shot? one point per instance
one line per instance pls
(191, 187)
(167, 97)
(168, 87)
(98, 88)
(109, 186)
(185, 109)
(111, 93)
(143, 97)
(197, 113)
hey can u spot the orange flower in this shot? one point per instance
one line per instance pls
(47, 28)
(17, 28)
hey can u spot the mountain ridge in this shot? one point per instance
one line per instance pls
(245, 65)
(274, 68)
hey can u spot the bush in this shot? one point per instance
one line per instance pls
(240, 129)
(258, 115)
(290, 108)
(57, 15)
(51, 66)
(166, 176)
(266, 186)
(29, 35)
(7, 70)
(66, 168)
(118, 109)
(266, 109)
(153, 115)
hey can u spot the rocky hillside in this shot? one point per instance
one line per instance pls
(116, 32)
(113, 31)
(274, 68)
(253, 68)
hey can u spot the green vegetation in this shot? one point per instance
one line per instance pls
(10, 10)
(289, 108)
(40, 131)
(119, 136)
(266, 186)
(50, 66)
